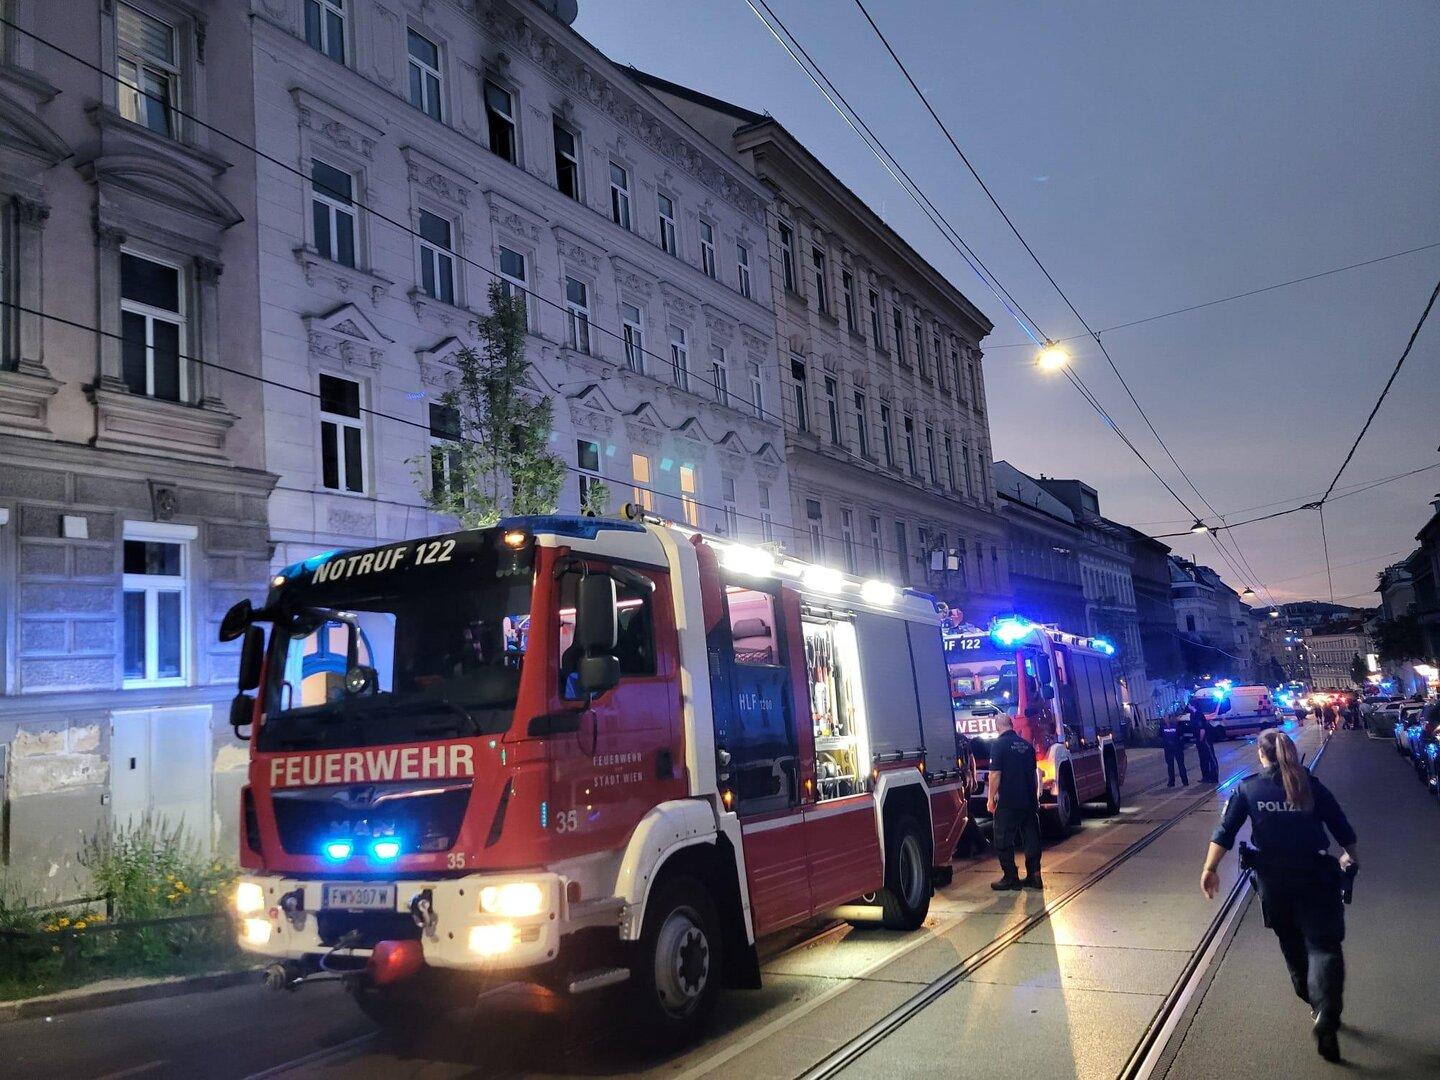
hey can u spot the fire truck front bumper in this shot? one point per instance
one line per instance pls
(482, 922)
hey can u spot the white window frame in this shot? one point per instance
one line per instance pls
(620, 196)
(920, 363)
(887, 433)
(326, 9)
(877, 320)
(439, 259)
(577, 318)
(632, 330)
(767, 522)
(939, 361)
(877, 543)
(950, 462)
(862, 422)
(757, 388)
(847, 286)
(428, 72)
(930, 459)
(334, 208)
(831, 389)
(847, 540)
(707, 248)
(787, 256)
(130, 98)
(151, 315)
(342, 422)
(509, 283)
(720, 374)
(509, 118)
(679, 357)
(801, 393)
(444, 450)
(742, 270)
(815, 524)
(820, 274)
(573, 157)
(730, 506)
(897, 317)
(689, 478)
(643, 477)
(667, 222)
(912, 451)
(151, 586)
(585, 477)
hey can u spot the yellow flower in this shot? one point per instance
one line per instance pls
(80, 925)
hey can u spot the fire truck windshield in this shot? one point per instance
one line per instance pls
(397, 657)
(978, 683)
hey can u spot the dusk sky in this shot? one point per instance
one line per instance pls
(1155, 156)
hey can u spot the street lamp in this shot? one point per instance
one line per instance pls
(1052, 357)
(1248, 594)
(1199, 528)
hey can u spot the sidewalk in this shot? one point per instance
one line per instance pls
(1249, 1022)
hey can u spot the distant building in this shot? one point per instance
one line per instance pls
(1155, 613)
(1424, 569)
(1332, 655)
(1045, 544)
(1397, 588)
(1213, 622)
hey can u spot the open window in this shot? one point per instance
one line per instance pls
(837, 708)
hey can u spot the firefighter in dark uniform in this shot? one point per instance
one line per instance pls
(1301, 886)
(1172, 738)
(1013, 798)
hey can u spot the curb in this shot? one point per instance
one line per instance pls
(81, 1000)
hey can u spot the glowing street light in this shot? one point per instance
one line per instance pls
(1199, 528)
(1052, 357)
(1248, 594)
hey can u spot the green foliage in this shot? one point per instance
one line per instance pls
(1358, 670)
(597, 499)
(503, 464)
(1400, 639)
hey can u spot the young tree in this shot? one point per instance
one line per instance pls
(1400, 639)
(503, 464)
(1359, 670)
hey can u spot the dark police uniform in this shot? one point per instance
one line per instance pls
(1017, 821)
(1300, 885)
(1204, 746)
(1172, 738)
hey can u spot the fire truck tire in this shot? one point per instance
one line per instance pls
(1112, 788)
(676, 972)
(905, 900)
(1058, 821)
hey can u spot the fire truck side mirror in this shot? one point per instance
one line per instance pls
(252, 654)
(596, 629)
(242, 711)
(599, 673)
(236, 620)
(1047, 692)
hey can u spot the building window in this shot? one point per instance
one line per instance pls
(832, 409)
(342, 435)
(797, 389)
(633, 330)
(640, 473)
(156, 568)
(899, 325)
(707, 248)
(666, 209)
(513, 280)
(424, 74)
(939, 362)
(437, 261)
(446, 473)
(920, 363)
(877, 331)
(887, 435)
(787, 256)
(325, 27)
(902, 550)
(862, 424)
(577, 303)
(767, 523)
(822, 289)
(152, 326)
(587, 461)
(619, 196)
(567, 161)
(876, 544)
(679, 358)
(847, 284)
(955, 367)
(730, 506)
(814, 521)
(969, 476)
(757, 389)
(500, 117)
(911, 459)
(930, 455)
(984, 473)
(950, 462)
(689, 506)
(719, 375)
(847, 537)
(148, 70)
(333, 212)
(974, 384)
(742, 269)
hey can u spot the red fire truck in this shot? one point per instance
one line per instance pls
(580, 752)
(1063, 696)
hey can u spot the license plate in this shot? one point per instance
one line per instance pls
(357, 896)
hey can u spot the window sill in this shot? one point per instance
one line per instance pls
(134, 422)
(25, 393)
(319, 269)
(830, 318)
(446, 315)
(114, 128)
(856, 336)
(30, 81)
(795, 297)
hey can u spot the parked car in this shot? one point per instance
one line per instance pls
(1420, 731)
(1405, 715)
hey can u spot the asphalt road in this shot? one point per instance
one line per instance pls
(1249, 1022)
(1133, 927)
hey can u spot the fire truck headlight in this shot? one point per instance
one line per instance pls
(249, 898)
(515, 899)
(256, 931)
(492, 939)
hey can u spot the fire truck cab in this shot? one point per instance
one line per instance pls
(579, 752)
(1061, 693)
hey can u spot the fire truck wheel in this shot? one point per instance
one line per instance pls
(1112, 790)
(676, 973)
(905, 900)
(1058, 821)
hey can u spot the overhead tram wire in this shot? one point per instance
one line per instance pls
(955, 145)
(891, 165)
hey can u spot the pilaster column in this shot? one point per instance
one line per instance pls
(30, 218)
(205, 380)
(107, 247)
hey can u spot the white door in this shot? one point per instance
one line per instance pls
(160, 766)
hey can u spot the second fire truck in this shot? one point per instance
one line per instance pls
(582, 752)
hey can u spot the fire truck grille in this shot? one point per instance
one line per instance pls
(423, 816)
(368, 927)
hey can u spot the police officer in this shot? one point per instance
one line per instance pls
(1204, 743)
(1300, 884)
(1172, 738)
(1013, 798)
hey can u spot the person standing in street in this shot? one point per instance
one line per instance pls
(1172, 739)
(1299, 882)
(1204, 744)
(1013, 798)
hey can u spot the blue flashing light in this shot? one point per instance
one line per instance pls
(544, 815)
(385, 849)
(339, 850)
(1104, 646)
(572, 525)
(1007, 631)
